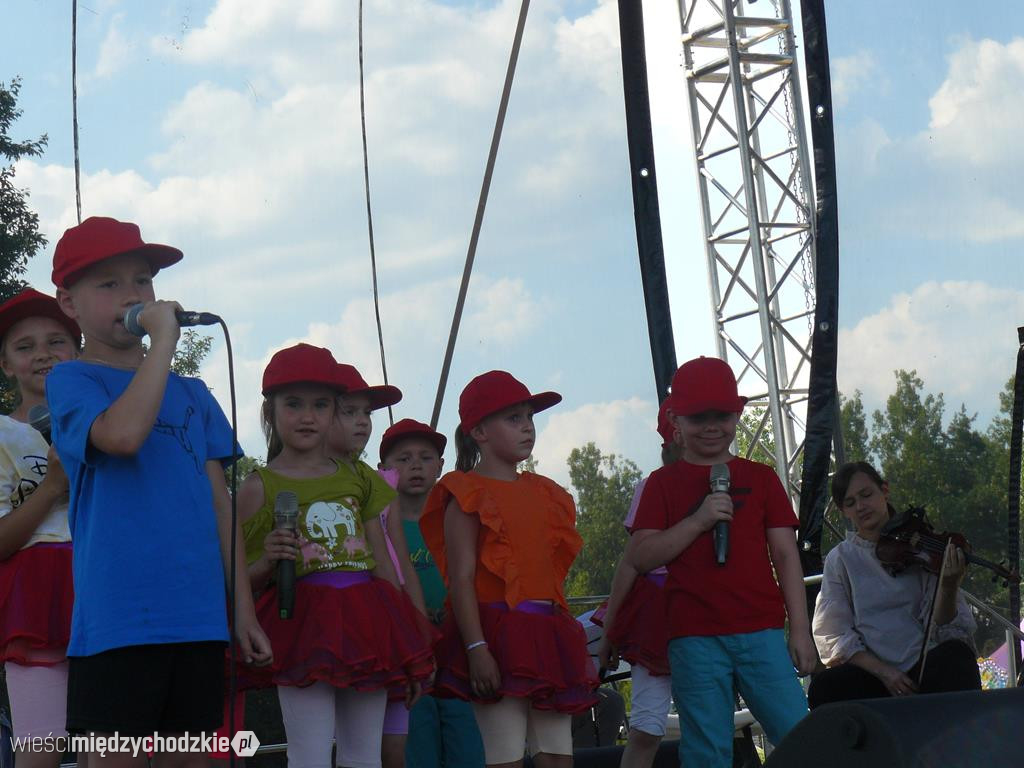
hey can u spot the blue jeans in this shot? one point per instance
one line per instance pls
(443, 734)
(705, 673)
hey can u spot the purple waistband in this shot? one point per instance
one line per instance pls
(529, 606)
(53, 544)
(657, 578)
(339, 579)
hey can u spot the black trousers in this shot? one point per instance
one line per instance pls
(950, 666)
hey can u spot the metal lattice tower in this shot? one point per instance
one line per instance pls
(753, 171)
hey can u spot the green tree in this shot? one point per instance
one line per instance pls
(20, 238)
(604, 486)
(856, 439)
(755, 439)
(530, 465)
(192, 349)
(910, 444)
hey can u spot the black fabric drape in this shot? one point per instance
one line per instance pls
(823, 401)
(646, 213)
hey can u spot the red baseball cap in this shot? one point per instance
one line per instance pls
(704, 384)
(354, 384)
(301, 364)
(400, 430)
(32, 303)
(98, 238)
(495, 390)
(666, 428)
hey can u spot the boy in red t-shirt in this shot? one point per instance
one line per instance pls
(725, 620)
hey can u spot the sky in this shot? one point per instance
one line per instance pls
(231, 129)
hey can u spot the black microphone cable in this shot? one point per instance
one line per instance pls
(232, 586)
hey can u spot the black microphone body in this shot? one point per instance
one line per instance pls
(186, 319)
(286, 515)
(39, 419)
(720, 484)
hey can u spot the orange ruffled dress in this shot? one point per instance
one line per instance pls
(527, 542)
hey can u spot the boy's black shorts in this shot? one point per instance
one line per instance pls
(139, 690)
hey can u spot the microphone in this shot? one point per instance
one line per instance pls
(39, 419)
(185, 319)
(286, 514)
(720, 484)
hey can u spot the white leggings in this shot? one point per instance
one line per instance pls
(318, 713)
(39, 699)
(511, 723)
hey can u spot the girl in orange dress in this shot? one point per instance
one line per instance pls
(504, 541)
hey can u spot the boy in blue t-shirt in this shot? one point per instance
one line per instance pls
(144, 450)
(442, 732)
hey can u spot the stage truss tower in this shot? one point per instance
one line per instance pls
(754, 178)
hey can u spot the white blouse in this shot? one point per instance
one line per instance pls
(22, 468)
(861, 607)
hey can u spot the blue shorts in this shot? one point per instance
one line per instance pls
(443, 734)
(706, 671)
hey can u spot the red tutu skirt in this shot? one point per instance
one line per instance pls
(541, 651)
(36, 595)
(348, 630)
(640, 632)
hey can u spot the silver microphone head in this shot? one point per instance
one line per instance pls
(131, 320)
(286, 510)
(39, 418)
(720, 478)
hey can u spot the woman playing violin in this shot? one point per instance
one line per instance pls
(870, 625)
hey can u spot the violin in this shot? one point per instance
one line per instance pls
(909, 540)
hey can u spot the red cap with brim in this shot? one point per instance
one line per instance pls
(99, 238)
(408, 428)
(354, 384)
(32, 303)
(704, 384)
(494, 391)
(301, 364)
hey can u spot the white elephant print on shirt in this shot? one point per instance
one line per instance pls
(323, 519)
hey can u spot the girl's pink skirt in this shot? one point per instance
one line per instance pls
(349, 630)
(540, 649)
(36, 595)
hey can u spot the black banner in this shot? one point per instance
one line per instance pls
(823, 398)
(646, 213)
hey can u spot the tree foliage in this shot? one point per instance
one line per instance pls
(192, 349)
(604, 485)
(755, 439)
(20, 238)
(19, 225)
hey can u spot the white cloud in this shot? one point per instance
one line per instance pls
(116, 50)
(977, 112)
(958, 177)
(255, 172)
(499, 315)
(623, 427)
(958, 336)
(850, 74)
(588, 47)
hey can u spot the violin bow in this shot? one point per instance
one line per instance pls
(931, 623)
